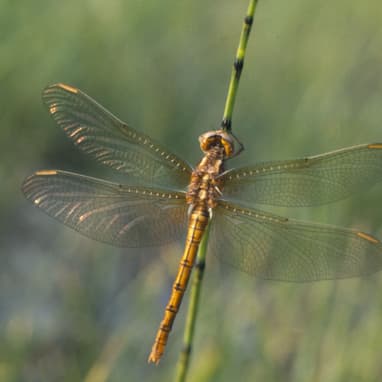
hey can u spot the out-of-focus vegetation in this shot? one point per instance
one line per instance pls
(72, 309)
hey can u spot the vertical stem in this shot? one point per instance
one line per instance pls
(238, 66)
(184, 358)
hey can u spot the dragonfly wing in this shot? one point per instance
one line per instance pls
(109, 212)
(306, 182)
(110, 141)
(272, 247)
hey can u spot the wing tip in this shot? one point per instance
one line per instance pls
(46, 172)
(368, 237)
(68, 88)
(60, 86)
(375, 146)
(29, 183)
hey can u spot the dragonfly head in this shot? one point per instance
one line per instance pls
(218, 138)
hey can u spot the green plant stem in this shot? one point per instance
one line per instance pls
(238, 66)
(184, 358)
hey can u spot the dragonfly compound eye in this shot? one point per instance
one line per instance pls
(217, 138)
(228, 146)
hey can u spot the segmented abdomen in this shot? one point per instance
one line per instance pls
(197, 223)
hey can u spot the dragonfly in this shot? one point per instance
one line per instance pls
(166, 199)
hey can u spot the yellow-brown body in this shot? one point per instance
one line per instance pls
(204, 189)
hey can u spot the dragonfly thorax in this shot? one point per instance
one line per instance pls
(205, 185)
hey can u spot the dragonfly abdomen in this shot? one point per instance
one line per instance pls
(197, 224)
(203, 191)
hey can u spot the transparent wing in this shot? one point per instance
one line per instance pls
(110, 141)
(306, 182)
(272, 247)
(109, 212)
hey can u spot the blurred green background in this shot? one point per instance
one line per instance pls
(72, 309)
